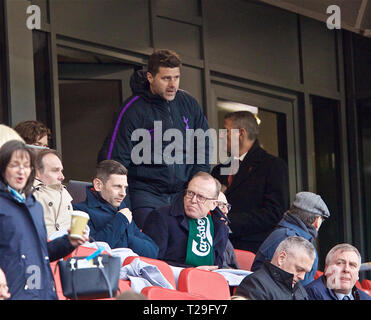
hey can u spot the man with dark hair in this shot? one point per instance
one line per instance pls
(110, 220)
(34, 132)
(186, 233)
(258, 190)
(50, 191)
(157, 104)
(279, 279)
(303, 219)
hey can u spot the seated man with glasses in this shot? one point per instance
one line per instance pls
(186, 232)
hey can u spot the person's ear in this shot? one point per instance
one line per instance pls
(149, 77)
(317, 222)
(243, 132)
(37, 174)
(98, 184)
(281, 258)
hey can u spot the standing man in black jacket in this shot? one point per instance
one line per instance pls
(259, 191)
(280, 278)
(157, 162)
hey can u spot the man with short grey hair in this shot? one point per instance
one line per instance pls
(280, 278)
(303, 219)
(340, 276)
(259, 190)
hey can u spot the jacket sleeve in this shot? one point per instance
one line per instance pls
(111, 233)
(206, 150)
(118, 144)
(157, 229)
(140, 243)
(59, 248)
(275, 203)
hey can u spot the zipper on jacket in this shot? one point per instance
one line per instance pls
(172, 186)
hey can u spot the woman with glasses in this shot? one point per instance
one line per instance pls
(25, 253)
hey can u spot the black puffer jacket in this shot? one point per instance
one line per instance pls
(155, 183)
(271, 283)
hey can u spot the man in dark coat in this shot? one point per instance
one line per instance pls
(304, 219)
(157, 105)
(185, 232)
(110, 220)
(280, 278)
(340, 276)
(259, 191)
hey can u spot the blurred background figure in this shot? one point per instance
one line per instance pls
(4, 293)
(7, 134)
(34, 133)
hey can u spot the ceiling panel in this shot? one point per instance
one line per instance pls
(355, 14)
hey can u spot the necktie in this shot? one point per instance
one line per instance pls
(231, 176)
(346, 298)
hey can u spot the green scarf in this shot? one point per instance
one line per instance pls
(200, 242)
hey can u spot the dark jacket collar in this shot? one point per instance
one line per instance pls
(95, 200)
(177, 210)
(279, 275)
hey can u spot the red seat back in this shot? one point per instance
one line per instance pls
(57, 280)
(161, 265)
(366, 284)
(244, 258)
(211, 285)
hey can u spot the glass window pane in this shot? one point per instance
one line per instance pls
(327, 172)
(364, 116)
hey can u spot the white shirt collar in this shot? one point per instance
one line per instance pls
(241, 157)
(342, 295)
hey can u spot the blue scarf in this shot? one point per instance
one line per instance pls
(16, 195)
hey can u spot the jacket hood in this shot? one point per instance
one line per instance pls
(139, 83)
(291, 219)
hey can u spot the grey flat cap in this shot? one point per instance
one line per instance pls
(311, 202)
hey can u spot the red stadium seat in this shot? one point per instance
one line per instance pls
(158, 293)
(244, 258)
(366, 284)
(57, 280)
(161, 265)
(211, 285)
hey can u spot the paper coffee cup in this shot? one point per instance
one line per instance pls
(79, 220)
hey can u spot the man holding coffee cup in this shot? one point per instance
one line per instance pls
(110, 220)
(51, 193)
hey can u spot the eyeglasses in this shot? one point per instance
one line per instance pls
(223, 205)
(17, 166)
(201, 199)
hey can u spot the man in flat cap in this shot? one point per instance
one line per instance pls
(303, 219)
